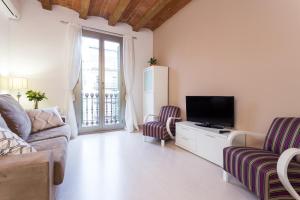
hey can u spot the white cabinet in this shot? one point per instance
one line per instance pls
(205, 142)
(155, 89)
(211, 147)
(186, 138)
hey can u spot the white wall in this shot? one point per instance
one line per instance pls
(4, 46)
(37, 49)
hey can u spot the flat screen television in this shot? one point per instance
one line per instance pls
(211, 111)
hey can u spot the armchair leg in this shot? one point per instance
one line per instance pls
(162, 142)
(225, 176)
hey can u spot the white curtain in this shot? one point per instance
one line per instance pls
(129, 68)
(73, 64)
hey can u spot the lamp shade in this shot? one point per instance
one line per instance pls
(17, 83)
(3, 83)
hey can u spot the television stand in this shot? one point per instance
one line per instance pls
(208, 125)
(205, 142)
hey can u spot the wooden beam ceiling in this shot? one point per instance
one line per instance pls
(119, 10)
(151, 13)
(46, 4)
(137, 13)
(84, 8)
(172, 8)
(129, 10)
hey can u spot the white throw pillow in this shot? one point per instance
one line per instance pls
(46, 118)
(11, 144)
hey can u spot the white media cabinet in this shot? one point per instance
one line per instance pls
(207, 143)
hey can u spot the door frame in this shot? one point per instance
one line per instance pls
(78, 103)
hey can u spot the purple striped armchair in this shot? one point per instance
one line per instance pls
(273, 171)
(164, 128)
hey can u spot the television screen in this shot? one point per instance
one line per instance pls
(212, 110)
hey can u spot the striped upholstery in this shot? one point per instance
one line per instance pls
(256, 169)
(284, 133)
(157, 129)
(168, 111)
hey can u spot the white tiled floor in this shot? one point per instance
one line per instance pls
(120, 166)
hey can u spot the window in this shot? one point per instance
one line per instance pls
(101, 93)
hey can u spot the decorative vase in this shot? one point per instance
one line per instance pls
(36, 104)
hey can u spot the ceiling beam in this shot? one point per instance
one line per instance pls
(119, 10)
(152, 12)
(170, 10)
(127, 14)
(84, 8)
(47, 4)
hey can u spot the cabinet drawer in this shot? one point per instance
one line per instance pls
(186, 138)
(211, 147)
(204, 142)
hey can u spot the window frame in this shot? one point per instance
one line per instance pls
(78, 103)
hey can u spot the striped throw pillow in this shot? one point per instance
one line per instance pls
(11, 144)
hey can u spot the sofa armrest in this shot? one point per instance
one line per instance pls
(27, 176)
(168, 126)
(235, 134)
(282, 168)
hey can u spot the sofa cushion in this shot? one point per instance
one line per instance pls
(62, 131)
(168, 111)
(15, 116)
(156, 129)
(283, 134)
(58, 146)
(3, 123)
(42, 119)
(11, 144)
(256, 169)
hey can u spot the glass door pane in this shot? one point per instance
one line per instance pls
(90, 83)
(101, 103)
(112, 83)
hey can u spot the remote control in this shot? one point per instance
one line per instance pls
(224, 131)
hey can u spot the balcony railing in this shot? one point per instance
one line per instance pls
(92, 112)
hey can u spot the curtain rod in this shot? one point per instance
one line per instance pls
(97, 30)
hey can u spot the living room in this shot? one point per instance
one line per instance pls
(82, 82)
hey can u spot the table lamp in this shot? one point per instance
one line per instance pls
(3, 83)
(18, 84)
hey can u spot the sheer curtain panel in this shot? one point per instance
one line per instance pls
(73, 64)
(129, 76)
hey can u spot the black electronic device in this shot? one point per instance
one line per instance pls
(211, 111)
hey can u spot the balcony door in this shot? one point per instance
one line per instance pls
(101, 97)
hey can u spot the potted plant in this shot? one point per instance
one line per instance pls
(152, 61)
(36, 97)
